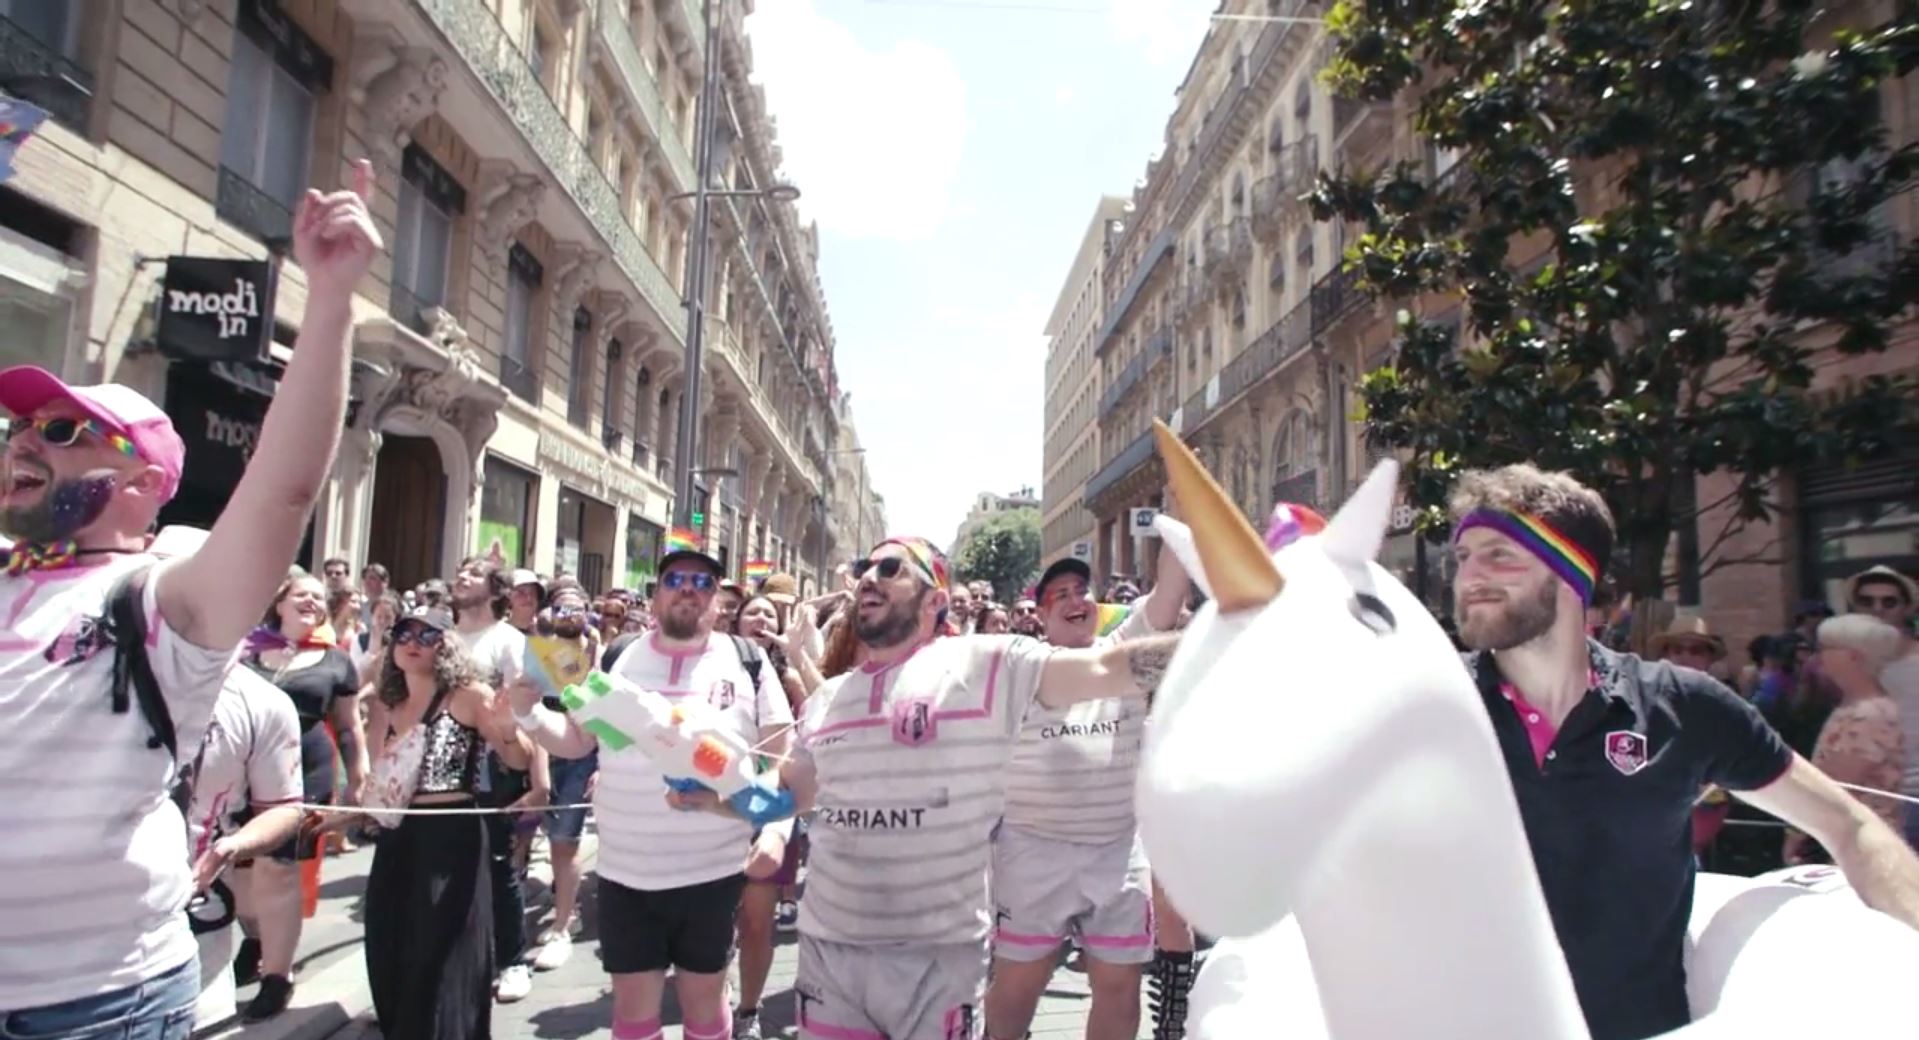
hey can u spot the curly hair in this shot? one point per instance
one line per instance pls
(1572, 508)
(453, 668)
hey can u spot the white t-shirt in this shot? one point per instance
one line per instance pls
(644, 844)
(1072, 774)
(911, 760)
(499, 651)
(251, 757)
(95, 857)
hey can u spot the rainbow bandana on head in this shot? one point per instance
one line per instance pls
(1574, 565)
(927, 559)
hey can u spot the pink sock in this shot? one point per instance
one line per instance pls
(720, 1030)
(647, 1029)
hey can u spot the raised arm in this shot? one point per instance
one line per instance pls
(1127, 669)
(213, 597)
(555, 731)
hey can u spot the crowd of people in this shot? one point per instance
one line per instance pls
(188, 724)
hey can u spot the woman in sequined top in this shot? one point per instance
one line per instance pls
(429, 918)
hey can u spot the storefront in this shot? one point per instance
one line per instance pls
(39, 286)
(593, 493)
(643, 541)
(583, 541)
(506, 511)
(217, 409)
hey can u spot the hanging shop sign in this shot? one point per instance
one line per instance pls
(216, 310)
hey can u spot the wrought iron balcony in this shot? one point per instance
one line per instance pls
(1157, 250)
(1123, 384)
(616, 34)
(1280, 196)
(1236, 105)
(520, 379)
(1132, 457)
(409, 310)
(610, 436)
(240, 202)
(1159, 344)
(1334, 295)
(1265, 354)
(481, 42)
(33, 71)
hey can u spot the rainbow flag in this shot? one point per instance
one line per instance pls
(757, 570)
(1110, 616)
(680, 538)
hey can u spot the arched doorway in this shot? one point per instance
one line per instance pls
(409, 509)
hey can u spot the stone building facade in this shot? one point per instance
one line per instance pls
(1228, 314)
(519, 349)
(1070, 450)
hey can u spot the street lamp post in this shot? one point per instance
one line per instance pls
(705, 121)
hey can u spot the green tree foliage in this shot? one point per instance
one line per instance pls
(1004, 551)
(1712, 187)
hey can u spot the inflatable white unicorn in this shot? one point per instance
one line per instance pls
(1365, 861)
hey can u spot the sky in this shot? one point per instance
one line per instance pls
(953, 152)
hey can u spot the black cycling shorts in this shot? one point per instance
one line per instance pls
(688, 928)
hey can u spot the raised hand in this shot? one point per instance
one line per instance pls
(334, 237)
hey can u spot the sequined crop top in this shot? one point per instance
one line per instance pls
(450, 764)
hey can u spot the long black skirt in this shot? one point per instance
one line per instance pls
(429, 930)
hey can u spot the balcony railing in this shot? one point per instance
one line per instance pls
(617, 33)
(1224, 111)
(32, 71)
(1159, 344)
(1229, 252)
(1123, 384)
(1131, 458)
(1157, 250)
(480, 41)
(1264, 355)
(239, 202)
(1280, 194)
(517, 377)
(1334, 295)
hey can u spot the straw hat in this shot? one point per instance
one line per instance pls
(1881, 573)
(780, 588)
(1684, 628)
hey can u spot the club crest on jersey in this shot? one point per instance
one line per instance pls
(721, 696)
(1626, 751)
(83, 638)
(914, 723)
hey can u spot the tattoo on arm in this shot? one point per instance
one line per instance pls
(1146, 660)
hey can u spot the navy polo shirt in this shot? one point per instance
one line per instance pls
(1608, 814)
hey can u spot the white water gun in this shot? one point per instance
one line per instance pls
(687, 742)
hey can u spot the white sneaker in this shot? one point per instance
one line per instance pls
(554, 954)
(514, 984)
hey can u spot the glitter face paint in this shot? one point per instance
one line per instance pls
(65, 510)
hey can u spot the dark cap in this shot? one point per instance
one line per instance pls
(1059, 569)
(683, 555)
(432, 617)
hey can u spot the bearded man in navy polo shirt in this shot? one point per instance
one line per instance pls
(1607, 753)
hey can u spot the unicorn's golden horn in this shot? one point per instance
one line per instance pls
(1241, 573)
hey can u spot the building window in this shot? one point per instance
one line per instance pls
(579, 370)
(42, 63)
(1303, 253)
(266, 146)
(506, 510)
(423, 236)
(517, 372)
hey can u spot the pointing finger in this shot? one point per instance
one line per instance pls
(363, 179)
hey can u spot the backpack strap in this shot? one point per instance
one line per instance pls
(132, 671)
(750, 659)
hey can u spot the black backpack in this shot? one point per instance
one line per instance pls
(133, 680)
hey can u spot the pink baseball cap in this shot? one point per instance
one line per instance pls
(25, 389)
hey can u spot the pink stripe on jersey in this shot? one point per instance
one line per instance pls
(678, 657)
(985, 710)
(808, 1024)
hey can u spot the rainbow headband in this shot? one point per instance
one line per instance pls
(1574, 565)
(930, 562)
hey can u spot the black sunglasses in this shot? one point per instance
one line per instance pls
(428, 637)
(888, 568)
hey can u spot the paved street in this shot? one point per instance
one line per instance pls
(573, 1002)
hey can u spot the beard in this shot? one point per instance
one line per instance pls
(679, 624)
(1493, 626)
(66, 507)
(892, 628)
(572, 628)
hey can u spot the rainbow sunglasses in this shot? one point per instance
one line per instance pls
(64, 432)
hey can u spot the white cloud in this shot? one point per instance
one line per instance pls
(1064, 95)
(1165, 30)
(873, 138)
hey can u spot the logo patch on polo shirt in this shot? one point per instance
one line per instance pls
(1626, 751)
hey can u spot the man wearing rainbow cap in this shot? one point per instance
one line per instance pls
(1608, 752)
(905, 759)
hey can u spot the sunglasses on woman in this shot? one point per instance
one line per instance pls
(65, 433)
(698, 580)
(888, 568)
(427, 637)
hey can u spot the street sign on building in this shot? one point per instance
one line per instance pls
(1083, 551)
(1141, 522)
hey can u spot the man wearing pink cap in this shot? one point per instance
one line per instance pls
(91, 928)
